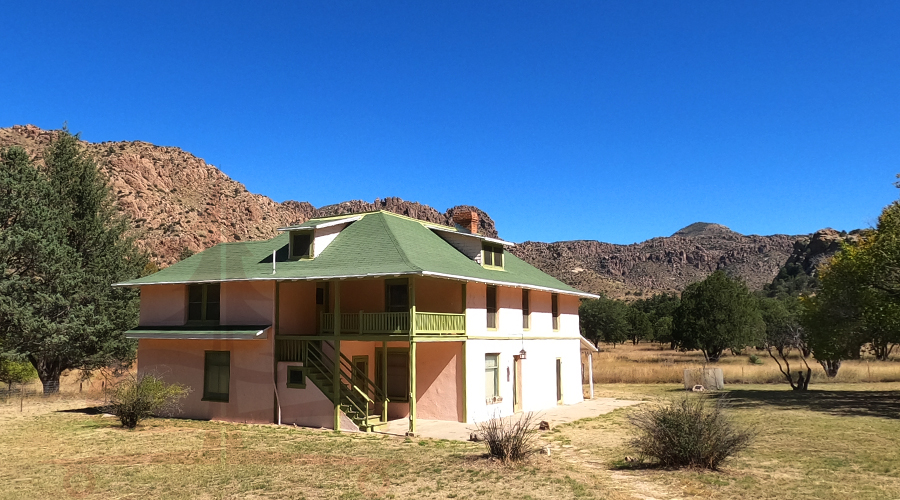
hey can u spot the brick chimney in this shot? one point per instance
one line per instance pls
(468, 220)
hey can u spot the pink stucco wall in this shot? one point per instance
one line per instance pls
(308, 406)
(163, 305)
(362, 295)
(251, 389)
(248, 303)
(297, 308)
(439, 381)
(436, 295)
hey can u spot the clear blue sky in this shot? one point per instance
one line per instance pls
(616, 121)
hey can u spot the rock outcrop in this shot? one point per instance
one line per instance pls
(811, 251)
(177, 201)
(661, 264)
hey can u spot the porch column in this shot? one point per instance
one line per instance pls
(336, 373)
(384, 404)
(465, 379)
(591, 372)
(412, 355)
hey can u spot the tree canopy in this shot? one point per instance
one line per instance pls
(858, 300)
(716, 314)
(605, 319)
(62, 244)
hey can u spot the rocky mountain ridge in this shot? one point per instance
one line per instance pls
(178, 202)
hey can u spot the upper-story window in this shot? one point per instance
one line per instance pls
(492, 307)
(396, 295)
(301, 244)
(554, 307)
(203, 303)
(492, 255)
(526, 309)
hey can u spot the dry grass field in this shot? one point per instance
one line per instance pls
(838, 441)
(652, 364)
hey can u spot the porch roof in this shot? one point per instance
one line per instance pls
(378, 244)
(217, 332)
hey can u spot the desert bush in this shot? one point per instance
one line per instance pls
(753, 359)
(690, 432)
(510, 440)
(136, 398)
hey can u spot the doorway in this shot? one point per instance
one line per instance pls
(361, 371)
(559, 390)
(517, 384)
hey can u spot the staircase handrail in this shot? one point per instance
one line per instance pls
(319, 363)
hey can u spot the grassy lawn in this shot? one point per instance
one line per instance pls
(78, 454)
(840, 443)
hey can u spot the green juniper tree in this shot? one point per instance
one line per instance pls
(63, 245)
(716, 314)
(858, 301)
(605, 319)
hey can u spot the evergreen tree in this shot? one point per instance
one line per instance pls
(639, 325)
(59, 311)
(716, 314)
(604, 319)
(858, 301)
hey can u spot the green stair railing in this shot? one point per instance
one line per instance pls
(358, 393)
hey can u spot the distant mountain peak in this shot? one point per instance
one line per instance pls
(702, 229)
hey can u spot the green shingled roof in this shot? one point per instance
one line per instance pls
(380, 243)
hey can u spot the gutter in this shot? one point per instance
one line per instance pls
(576, 293)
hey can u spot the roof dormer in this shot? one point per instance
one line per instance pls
(487, 252)
(310, 239)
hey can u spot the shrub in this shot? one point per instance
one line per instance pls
(690, 432)
(509, 440)
(16, 372)
(136, 398)
(755, 360)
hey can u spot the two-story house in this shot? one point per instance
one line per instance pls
(348, 321)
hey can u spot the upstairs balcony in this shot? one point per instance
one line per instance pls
(394, 323)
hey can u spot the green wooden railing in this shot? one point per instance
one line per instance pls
(440, 323)
(363, 323)
(290, 350)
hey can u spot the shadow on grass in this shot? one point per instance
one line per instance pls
(93, 410)
(884, 404)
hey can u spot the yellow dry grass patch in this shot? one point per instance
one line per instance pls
(651, 364)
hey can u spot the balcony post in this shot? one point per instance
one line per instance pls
(384, 407)
(412, 356)
(336, 371)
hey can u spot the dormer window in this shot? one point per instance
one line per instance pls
(301, 244)
(492, 255)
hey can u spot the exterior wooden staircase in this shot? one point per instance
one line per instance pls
(361, 400)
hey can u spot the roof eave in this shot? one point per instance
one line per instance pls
(577, 293)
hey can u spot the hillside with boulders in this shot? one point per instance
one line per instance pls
(180, 204)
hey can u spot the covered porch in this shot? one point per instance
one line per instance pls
(388, 358)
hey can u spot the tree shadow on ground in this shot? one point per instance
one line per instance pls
(883, 404)
(94, 410)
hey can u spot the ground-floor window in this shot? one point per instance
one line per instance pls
(491, 377)
(296, 377)
(216, 376)
(397, 373)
